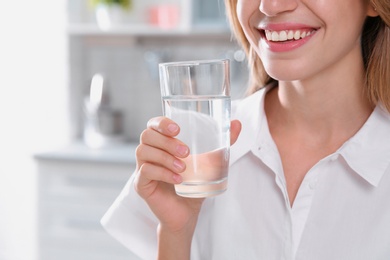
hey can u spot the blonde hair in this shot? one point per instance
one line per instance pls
(375, 50)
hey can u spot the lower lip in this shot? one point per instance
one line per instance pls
(287, 45)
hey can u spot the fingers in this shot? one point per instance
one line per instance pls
(235, 129)
(164, 125)
(150, 137)
(158, 156)
(161, 158)
(150, 177)
(156, 168)
(151, 172)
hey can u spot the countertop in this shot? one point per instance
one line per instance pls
(79, 152)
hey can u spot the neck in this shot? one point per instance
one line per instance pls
(326, 104)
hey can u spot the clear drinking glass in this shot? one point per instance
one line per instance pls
(196, 95)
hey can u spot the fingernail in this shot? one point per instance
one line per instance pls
(178, 164)
(173, 128)
(177, 178)
(182, 150)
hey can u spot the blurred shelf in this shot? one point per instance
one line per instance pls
(146, 30)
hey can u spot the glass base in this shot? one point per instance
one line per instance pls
(201, 189)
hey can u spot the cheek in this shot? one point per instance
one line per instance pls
(246, 11)
(345, 14)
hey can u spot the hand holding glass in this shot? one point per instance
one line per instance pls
(196, 95)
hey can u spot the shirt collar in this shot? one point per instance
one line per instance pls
(250, 112)
(368, 151)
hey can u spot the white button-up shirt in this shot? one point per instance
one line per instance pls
(341, 211)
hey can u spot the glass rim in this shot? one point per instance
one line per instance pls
(193, 62)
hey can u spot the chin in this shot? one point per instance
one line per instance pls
(283, 75)
(288, 70)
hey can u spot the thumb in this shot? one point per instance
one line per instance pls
(235, 129)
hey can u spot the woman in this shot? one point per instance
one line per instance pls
(309, 174)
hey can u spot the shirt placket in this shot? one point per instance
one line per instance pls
(303, 201)
(269, 155)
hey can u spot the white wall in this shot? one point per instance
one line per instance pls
(32, 111)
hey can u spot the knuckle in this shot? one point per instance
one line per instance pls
(137, 180)
(170, 143)
(144, 135)
(143, 169)
(152, 172)
(139, 151)
(167, 159)
(154, 122)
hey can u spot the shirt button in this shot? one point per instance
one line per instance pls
(334, 157)
(312, 184)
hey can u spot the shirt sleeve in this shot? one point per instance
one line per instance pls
(131, 222)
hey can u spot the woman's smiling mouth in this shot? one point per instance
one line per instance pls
(287, 35)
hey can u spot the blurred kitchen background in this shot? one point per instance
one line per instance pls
(79, 80)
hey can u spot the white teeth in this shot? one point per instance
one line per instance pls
(268, 35)
(283, 36)
(278, 36)
(290, 35)
(297, 35)
(275, 37)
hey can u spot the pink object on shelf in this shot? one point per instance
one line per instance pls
(164, 16)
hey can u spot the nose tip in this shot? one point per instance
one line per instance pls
(275, 7)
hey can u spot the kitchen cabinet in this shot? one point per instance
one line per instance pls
(76, 186)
